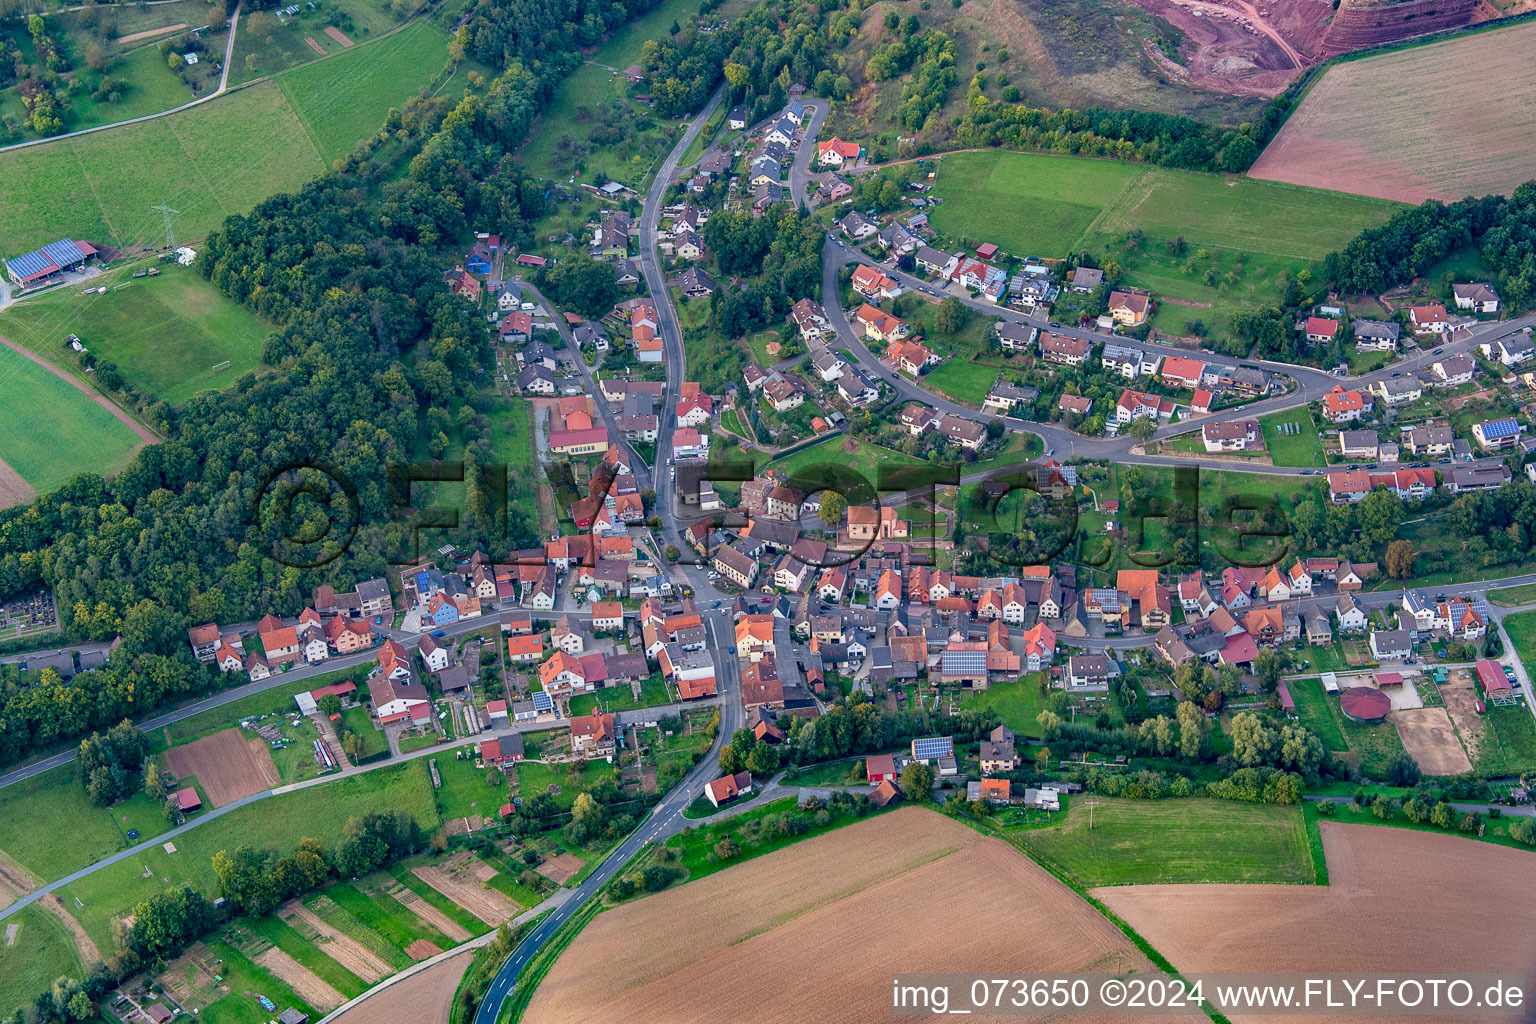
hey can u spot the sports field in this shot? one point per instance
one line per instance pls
(1135, 842)
(1395, 126)
(165, 333)
(52, 430)
(205, 163)
(343, 99)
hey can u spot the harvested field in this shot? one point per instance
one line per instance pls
(423, 998)
(421, 949)
(149, 33)
(560, 869)
(456, 878)
(428, 913)
(1398, 901)
(228, 765)
(299, 978)
(696, 953)
(1430, 135)
(13, 489)
(1430, 740)
(337, 34)
(344, 949)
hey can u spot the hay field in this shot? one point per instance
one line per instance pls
(1397, 901)
(814, 931)
(1444, 121)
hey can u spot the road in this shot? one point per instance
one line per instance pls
(666, 818)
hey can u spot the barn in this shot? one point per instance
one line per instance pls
(42, 266)
(1365, 704)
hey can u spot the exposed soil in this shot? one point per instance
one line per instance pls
(337, 34)
(15, 881)
(421, 949)
(454, 878)
(430, 914)
(423, 998)
(314, 45)
(907, 891)
(227, 764)
(559, 869)
(150, 33)
(1398, 901)
(1429, 739)
(1461, 704)
(342, 948)
(13, 489)
(300, 978)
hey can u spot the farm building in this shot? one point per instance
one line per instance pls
(1365, 704)
(43, 266)
(188, 800)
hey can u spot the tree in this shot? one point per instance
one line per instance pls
(731, 760)
(763, 760)
(832, 506)
(1402, 770)
(218, 18)
(917, 781)
(726, 849)
(1142, 428)
(1268, 667)
(1253, 742)
(951, 316)
(111, 763)
(1399, 559)
(329, 705)
(1191, 729)
(154, 784)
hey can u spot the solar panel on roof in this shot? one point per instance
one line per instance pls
(1500, 428)
(63, 252)
(964, 662)
(32, 264)
(933, 746)
(543, 701)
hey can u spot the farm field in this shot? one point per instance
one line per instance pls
(228, 765)
(1455, 922)
(423, 998)
(206, 163)
(278, 822)
(279, 45)
(39, 952)
(165, 333)
(1438, 137)
(1183, 840)
(52, 430)
(343, 99)
(705, 942)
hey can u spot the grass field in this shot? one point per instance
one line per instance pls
(699, 842)
(653, 693)
(1137, 842)
(343, 99)
(241, 979)
(206, 163)
(535, 777)
(1433, 149)
(278, 822)
(307, 953)
(42, 952)
(36, 812)
(1018, 701)
(52, 430)
(1303, 448)
(464, 792)
(1314, 710)
(1511, 597)
(165, 333)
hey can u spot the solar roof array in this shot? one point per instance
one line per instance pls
(50, 259)
(933, 746)
(964, 662)
(1500, 428)
(542, 701)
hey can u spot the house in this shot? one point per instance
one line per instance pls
(1433, 441)
(880, 768)
(858, 227)
(434, 655)
(1039, 647)
(204, 640)
(501, 750)
(898, 238)
(811, 319)
(688, 245)
(1347, 486)
(1129, 308)
(1430, 319)
(1496, 435)
(1058, 348)
(736, 120)
(593, 735)
(634, 73)
(882, 326)
(1510, 351)
(1477, 478)
(1086, 279)
(1015, 337)
(931, 750)
(827, 364)
(1454, 370)
(1341, 405)
(1358, 444)
(1320, 330)
(694, 284)
(1398, 391)
(1180, 372)
(918, 418)
(1352, 618)
(781, 131)
(1376, 335)
(1135, 405)
(1478, 296)
(856, 389)
(735, 566)
(873, 285)
(398, 699)
(1075, 404)
(834, 152)
(728, 787)
(1232, 436)
(463, 284)
(935, 262)
(964, 433)
(1004, 396)
(1391, 644)
(563, 675)
(1128, 362)
(1089, 673)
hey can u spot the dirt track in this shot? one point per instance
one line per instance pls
(1398, 901)
(423, 998)
(344, 949)
(227, 764)
(150, 33)
(814, 931)
(300, 978)
(84, 945)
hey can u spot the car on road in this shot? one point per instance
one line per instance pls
(1055, 324)
(1437, 351)
(1397, 373)
(1308, 472)
(712, 574)
(439, 633)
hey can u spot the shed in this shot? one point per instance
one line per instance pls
(188, 800)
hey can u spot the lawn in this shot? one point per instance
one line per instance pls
(42, 952)
(35, 813)
(165, 333)
(206, 163)
(357, 720)
(1018, 701)
(960, 379)
(698, 843)
(52, 430)
(279, 822)
(653, 693)
(535, 777)
(1515, 730)
(1139, 842)
(1521, 628)
(1314, 708)
(278, 699)
(343, 100)
(464, 792)
(1304, 447)
(1511, 597)
(512, 446)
